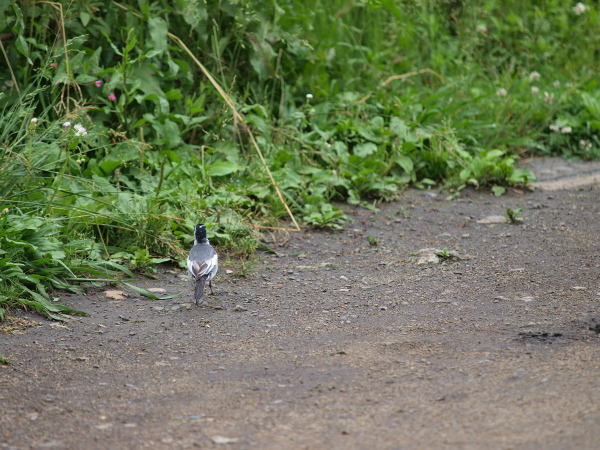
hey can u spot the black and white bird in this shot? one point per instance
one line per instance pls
(203, 263)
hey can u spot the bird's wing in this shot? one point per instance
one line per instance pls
(202, 268)
(202, 261)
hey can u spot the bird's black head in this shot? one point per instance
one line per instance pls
(200, 232)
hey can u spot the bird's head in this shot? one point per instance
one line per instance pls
(200, 232)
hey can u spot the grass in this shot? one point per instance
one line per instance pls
(273, 125)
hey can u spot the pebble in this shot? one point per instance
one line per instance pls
(383, 308)
(175, 307)
(349, 316)
(493, 219)
(158, 308)
(579, 288)
(157, 290)
(223, 440)
(240, 308)
(343, 277)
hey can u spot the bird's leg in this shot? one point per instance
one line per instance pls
(210, 286)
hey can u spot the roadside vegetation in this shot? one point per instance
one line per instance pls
(123, 124)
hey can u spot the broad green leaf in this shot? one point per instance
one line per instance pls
(223, 168)
(84, 17)
(406, 163)
(498, 190)
(365, 149)
(158, 32)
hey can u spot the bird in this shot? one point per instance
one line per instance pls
(203, 263)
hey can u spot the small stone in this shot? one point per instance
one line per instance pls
(466, 236)
(520, 269)
(579, 288)
(343, 277)
(158, 308)
(349, 316)
(224, 440)
(104, 426)
(428, 256)
(240, 308)
(218, 307)
(290, 272)
(229, 271)
(383, 308)
(81, 358)
(492, 219)
(175, 307)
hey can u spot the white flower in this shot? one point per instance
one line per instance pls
(80, 130)
(481, 29)
(548, 98)
(67, 124)
(566, 130)
(580, 8)
(309, 96)
(535, 90)
(5, 210)
(501, 92)
(554, 128)
(585, 143)
(34, 120)
(534, 76)
(556, 84)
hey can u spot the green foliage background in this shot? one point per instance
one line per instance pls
(349, 101)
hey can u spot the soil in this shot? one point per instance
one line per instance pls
(337, 343)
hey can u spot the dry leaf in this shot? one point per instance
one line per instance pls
(115, 295)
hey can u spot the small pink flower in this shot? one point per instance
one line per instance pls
(98, 83)
(112, 97)
(53, 65)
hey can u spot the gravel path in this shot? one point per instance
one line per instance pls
(336, 343)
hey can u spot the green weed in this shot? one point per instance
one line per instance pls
(373, 240)
(512, 215)
(444, 254)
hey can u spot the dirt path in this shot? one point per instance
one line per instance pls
(346, 346)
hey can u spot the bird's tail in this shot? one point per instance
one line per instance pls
(199, 289)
